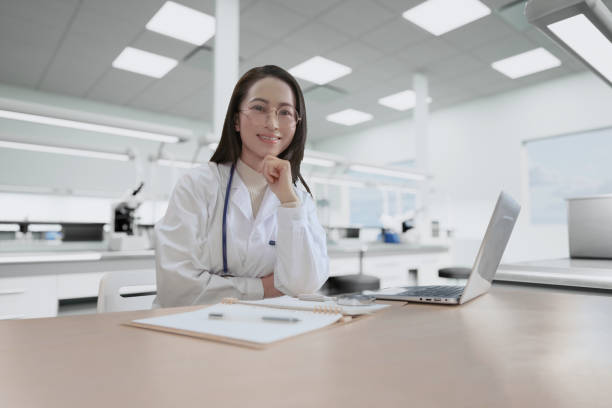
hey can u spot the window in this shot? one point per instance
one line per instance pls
(567, 166)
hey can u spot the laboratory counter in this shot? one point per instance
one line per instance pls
(516, 346)
(33, 284)
(582, 273)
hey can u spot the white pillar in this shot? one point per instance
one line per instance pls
(227, 44)
(421, 119)
(421, 124)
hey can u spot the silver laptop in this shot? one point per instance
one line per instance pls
(489, 256)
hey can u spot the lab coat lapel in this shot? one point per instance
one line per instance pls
(269, 206)
(240, 197)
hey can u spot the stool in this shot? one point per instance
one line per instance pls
(455, 272)
(336, 285)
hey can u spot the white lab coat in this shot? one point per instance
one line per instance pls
(189, 246)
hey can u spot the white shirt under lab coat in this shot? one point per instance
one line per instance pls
(189, 253)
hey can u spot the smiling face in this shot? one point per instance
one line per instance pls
(262, 120)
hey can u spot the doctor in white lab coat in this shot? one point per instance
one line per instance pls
(274, 242)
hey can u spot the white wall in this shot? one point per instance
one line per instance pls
(476, 151)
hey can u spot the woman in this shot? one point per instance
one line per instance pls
(272, 242)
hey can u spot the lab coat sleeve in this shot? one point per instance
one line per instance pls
(181, 252)
(302, 264)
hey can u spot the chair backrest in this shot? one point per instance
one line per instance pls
(126, 290)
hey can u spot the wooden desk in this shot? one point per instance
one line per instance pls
(514, 347)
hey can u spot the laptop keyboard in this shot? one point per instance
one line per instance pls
(434, 291)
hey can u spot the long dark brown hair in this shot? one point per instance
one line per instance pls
(230, 145)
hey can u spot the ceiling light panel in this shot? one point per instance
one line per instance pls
(183, 23)
(349, 117)
(144, 62)
(587, 41)
(527, 63)
(320, 70)
(401, 101)
(441, 16)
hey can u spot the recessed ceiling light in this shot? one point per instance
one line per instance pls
(349, 117)
(320, 70)
(401, 101)
(526, 63)
(579, 33)
(441, 16)
(144, 62)
(183, 23)
(92, 127)
(63, 150)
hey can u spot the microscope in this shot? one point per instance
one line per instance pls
(124, 235)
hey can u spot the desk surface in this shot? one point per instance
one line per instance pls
(516, 346)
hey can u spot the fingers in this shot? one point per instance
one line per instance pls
(273, 168)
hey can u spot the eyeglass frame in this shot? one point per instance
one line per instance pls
(297, 119)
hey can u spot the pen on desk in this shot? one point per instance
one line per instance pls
(278, 319)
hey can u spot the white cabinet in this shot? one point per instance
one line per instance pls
(25, 297)
(405, 269)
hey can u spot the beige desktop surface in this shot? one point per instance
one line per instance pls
(514, 347)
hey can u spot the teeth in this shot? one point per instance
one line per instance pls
(269, 138)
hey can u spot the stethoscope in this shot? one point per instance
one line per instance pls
(224, 223)
(225, 271)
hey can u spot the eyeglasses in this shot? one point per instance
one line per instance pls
(286, 116)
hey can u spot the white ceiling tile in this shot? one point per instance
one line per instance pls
(27, 45)
(386, 68)
(357, 81)
(197, 105)
(78, 63)
(399, 6)
(354, 54)
(163, 94)
(98, 28)
(136, 12)
(454, 67)
(310, 8)
(504, 48)
(424, 53)
(479, 32)
(480, 79)
(252, 43)
(205, 6)
(162, 45)
(73, 76)
(395, 35)
(52, 14)
(25, 65)
(119, 86)
(271, 19)
(281, 55)
(356, 17)
(314, 39)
